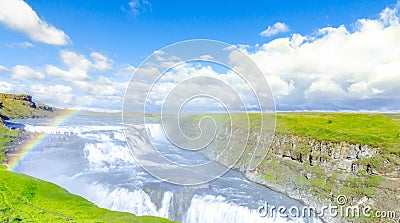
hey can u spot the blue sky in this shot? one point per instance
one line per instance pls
(81, 54)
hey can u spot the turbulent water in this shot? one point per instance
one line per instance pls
(88, 156)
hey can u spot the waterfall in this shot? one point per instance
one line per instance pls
(100, 168)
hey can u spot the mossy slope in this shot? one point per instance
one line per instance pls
(14, 107)
(26, 199)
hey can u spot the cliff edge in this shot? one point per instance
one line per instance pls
(15, 106)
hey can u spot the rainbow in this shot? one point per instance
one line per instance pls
(35, 141)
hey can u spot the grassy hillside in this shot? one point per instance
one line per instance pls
(26, 199)
(14, 109)
(6, 135)
(376, 130)
(15, 106)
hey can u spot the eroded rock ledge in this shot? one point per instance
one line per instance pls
(317, 171)
(331, 155)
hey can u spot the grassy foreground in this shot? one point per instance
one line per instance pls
(26, 199)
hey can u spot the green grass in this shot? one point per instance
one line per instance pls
(6, 135)
(376, 130)
(26, 199)
(14, 109)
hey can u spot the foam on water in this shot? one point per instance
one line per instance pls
(121, 199)
(211, 208)
(69, 129)
(106, 153)
(156, 132)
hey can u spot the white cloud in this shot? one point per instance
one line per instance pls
(355, 69)
(376, 91)
(3, 68)
(5, 87)
(101, 93)
(19, 16)
(278, 27)
(22, 45)
(280, 87)
(21, 73)
(206, 57)
(75, 60)
(125, 71)
(53, 95)
(81, 83)
(79, 66)
(138, 6)
(190, 79)
(130, 69)
(101, 62)
(389, 15)
(79, 61)
(327, 86)
(105, 86)
(71, 74)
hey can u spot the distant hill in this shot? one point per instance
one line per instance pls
(14, 106)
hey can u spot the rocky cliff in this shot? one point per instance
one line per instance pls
(317, 171)
(14, 106)
(331, 155)
(20, 97)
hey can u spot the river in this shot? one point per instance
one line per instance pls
(88, 156)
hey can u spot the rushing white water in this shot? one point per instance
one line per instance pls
(93, 161)
(211, 208)
(121, 199)
(156, 132)
(106, 153)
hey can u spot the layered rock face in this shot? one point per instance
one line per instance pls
(14, 106)
(21, 97)
(45, 107)
(331, 155)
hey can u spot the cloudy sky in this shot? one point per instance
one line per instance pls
(316, 55)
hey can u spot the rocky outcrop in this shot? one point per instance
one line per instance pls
(331, 155)
(45, 107)
(21, 97)
(317, 171)
(14, 106)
